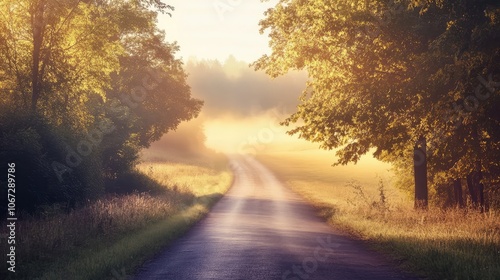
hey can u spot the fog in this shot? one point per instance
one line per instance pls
(234, 88)
(241, 113)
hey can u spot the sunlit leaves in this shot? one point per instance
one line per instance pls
(384, 73)
(77, 52)
(78, 63)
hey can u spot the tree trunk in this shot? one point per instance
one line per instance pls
(481, 197)
(476, 188)
(38, 33)
(472, 189)
(457, 189)
(420, 171)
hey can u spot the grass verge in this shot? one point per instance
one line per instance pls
(439, 244)
(109, 238)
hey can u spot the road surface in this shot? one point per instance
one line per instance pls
(261, 230)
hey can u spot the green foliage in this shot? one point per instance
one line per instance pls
(134, 181)
(385, 73)
(56, 56)
(33, 145)
(84, 86)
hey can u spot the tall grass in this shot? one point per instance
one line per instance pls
(51, 243)
(440, 244)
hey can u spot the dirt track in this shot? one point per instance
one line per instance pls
(261, 230)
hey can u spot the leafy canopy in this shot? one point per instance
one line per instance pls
(385, 73)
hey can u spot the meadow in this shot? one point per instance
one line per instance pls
(108, 238)
(362, 200)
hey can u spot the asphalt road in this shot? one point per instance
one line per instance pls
(261, 230)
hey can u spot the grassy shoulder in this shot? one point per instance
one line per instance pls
(439, 244)
(110, 238)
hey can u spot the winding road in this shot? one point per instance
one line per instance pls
(261, 230)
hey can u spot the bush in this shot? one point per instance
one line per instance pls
(34, 145)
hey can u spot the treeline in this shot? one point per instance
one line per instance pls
(417, 81)
(84, 86)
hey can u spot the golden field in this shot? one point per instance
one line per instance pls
(360, 199)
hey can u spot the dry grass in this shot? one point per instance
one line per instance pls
(46, 242)
(441, 244)
(43, 238)
(195, 179)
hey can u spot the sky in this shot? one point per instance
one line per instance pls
(218, 39)
(215, 29)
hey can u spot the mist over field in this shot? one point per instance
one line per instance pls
(234, 88)
(242, 112)
(239, 103)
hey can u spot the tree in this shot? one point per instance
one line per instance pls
(58, 54)
(383, 74)
(84, 85)
(149, 95)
